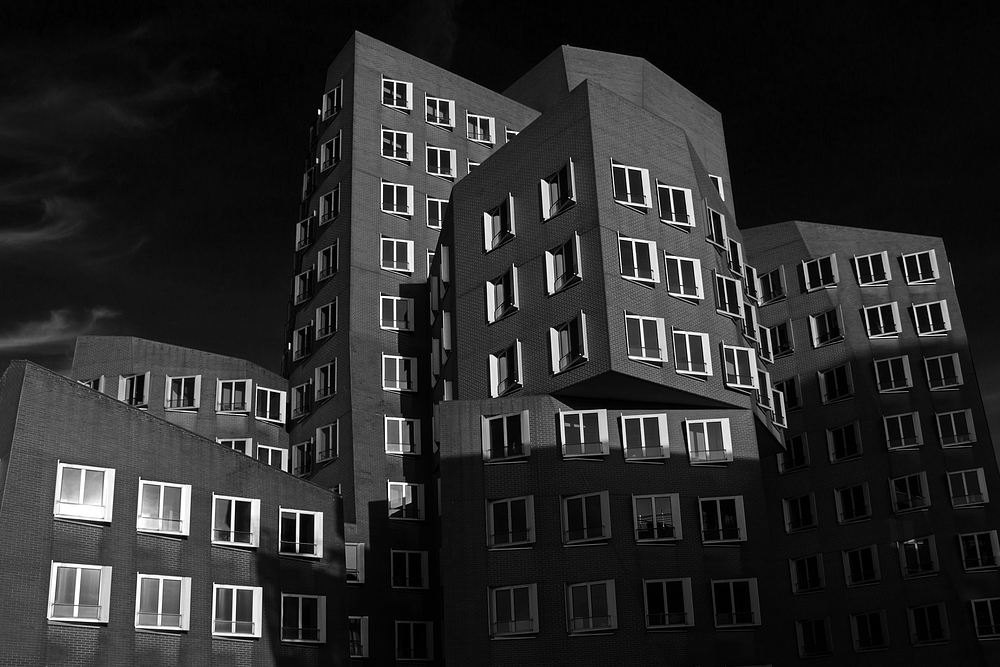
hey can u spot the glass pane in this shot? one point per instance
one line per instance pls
(71, 481)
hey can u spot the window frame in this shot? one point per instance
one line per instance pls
(514, 379)
(782, 348)
(805, 522)
(695, 456)
(302, 339)
(925, 311)
(661, 338)
(814, 649)
(969, 499)
(992, 559)
(325, 381)
(847, 455)
(410, 653)
(571, 274)
(107, 493)
(859, 647)
(822, 280)
(331, 152)
(393, 141)
(399, 447)
(563, 178)
(791, 388)
(864, 514)
(670, 216)
(802, 586)
(141, 402)
(716, 182)
(496, 287)
(992, 608)
(331, 433)
(416, 492)
(916, 439)
(317, 531)
(829, 337)
(586, 447)
(715, 228)
(391, 262)
(825, 390)
(405, 325)
(772, 277)
(407, 99)
(282, 404)
(358, 576)
(491, 522)
(945, 383)
(876, 574)
(499, 225)
(391, 207)
(754, 603)
(270, 452)
(572, 622)
(891, 383)
(448, 174)
(333, 101)
(184, 509)
(909, 493)
(441, 205)
(524, 433)
(184, 606)
(409, 385)
(953, 440)
(489, 139)
(705, 349)
(103, 596)
(873, 280)
(648, 530)
(738, 514)
(329, 205)
(661, 450)
(920, 278)
(329, 261)
(423, 582)
(911, 617)
(734, 359)
(449, 119)
(514, 628)
(320, 619)
(626, 181)
(651, 254)
(254, 531)
(248, 392)
(256, 615)
(728, 292)
(568, 531)
(673, 285)
(687, 616)
(563, 336)
(799, 462)
(875, 325)
(922, 568)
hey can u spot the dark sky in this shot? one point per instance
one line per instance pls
(151, 153)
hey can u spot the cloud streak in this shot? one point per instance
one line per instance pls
(63, 219)
(58, 331)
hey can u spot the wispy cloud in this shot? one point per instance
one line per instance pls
(58, 331)
(63, 219)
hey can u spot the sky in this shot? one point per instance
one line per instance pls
(151, 153)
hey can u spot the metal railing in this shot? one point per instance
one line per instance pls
(590, 622)
(648, 452)
(510, 537)
(709, 455)
(720, 534)
(581, 448)
(735, 618)
(585, 533)
(300, 634)
(233, 536)
(288, 547)
(76, 611)
(513, 626)
(158, 620)
(666, 618)
(235, 406)
(234, 627)
(159, 523)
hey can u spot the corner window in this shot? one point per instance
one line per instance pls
(893, 375)
(902, 431)
(84, 492)
(716, 228)
(844, 442)
(482, 129)
(440, 112)
(134, 389)
(821, 273)
(414, 640)
(584, 433)
(237, 611)
(800, 513)
(836, 384)
(921, 268)
(397, 199)
(397, 255)
(644, 437)
(502, 295)
(638, 260)
(882, 321)
(807, 574)
(558, 191)
(586, 518)
(676, 205)
(568, 344)
(869, 631)
(968, 488)
(796, 454)
(435, 212)
(736, 602)
(409, 569)
(932, 319)
(506, 437)
(825, 328)
(329, 206)
(235, 521)
(333, 101)
(397, 313)
(397, 145)
(328, 442)
(563, 265)
(355, 562)
(498, 224)
(79, 593)
(772, 286)
(506, 372)
(861, 566)
(980, 550)
(397, 94)
(441, 161)
(233, 396)
(943, 372)
(657, 517)
(853, 503)
(270, 405)
(402, 436)
(514, 610)
(918, 557)
(329, 261)
(303, 618)
(691, 353)
(909, 493)
(646, 338)
(399, 373)
(872, 270)
(955, 429)
(740, 366)
(722, 520)
(406, 501)
(928, 624)
(728, 297)
(162, 603)
(591, 606)
(814, 637)
(330, 152)
(510, 522)
(300, 533)
(684, 277)
(164, 508)
(631, 186)
(668, 603)
(708, 440)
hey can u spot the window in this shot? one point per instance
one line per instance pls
(276, 457)
(902, 431)
(708, 440)
(844, 442)
(764, 344)
(270, 405)
(482, 129)
(928, 624)
(397, 313)
(325, 380)
(882, 321)
(638, 260)
(134, 389)
(646, 338)
(869, 631)
(943, 372)
(968, 488)
(164, 508)
(836, 384)
(558, 191)
(440, 112)
(302, 342)
(414, 640)
(399, 373)
(568, 344)
(852, 503)
(722, 520)
(303, 618)
(563, 265)
(241, 445)
(326, 320)
(397, 255)
(235, 521)
(514, 610)
(237, 610)
(807, 574)
(441, 161)
(668, 603)
(162, 603)
(509, 134)
(716, 228)
(586, 517)
(355, 563)
(84, 492)
(987, 614)
(741, 368)
(402, 436)
(645, 437)
(955, 428)
(728, 296)
(329, 206)
(792, 392)
(79, 593)
(333, 101)
(735, 602)
(498, 224)
(397, 145)
(796, 454)
(861, 566)
(409, 569)
(932, 318)
(591, 606)
(657, 517)
(735, 256)
(825, 328)
(397, 199)
(584, 432)
(800, 513)
(435, 212)
(502, 295)
(472, 164)
(303, 233)
(921, 268)
(233, 396)
(510, 522)
(918, 557)
(329, 261)
(631, 186)
(872, 269)
(97, 384)
(893, 374)
(676, 205)
(980, 550)
(406, 501)
(820, 273)
(300, 533)
(691, 353)
(684, 277)
(506, 436)
(782, 343)
(750, 327)
(717, 183)
(751, 284)
(909, 493)
(813, 636)
(302, 287)
(301, 400)
(772, 286)
(330, 152)
(397, 94)
(506, 373)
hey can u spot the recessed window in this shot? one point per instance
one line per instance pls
(716, 232)
(869, 631)
(584, 432)
(510, 522)
(406, 501)
(328, 442)
(691, 353)
(853, 503)
(734, 252)
(498, 224)
(644, 437)
(646, 338)
(164, 508)
(872, 269)
(303, 618)
(717, 184)
(482, 129)
(302, 396)
(84, 492)
(333, 101)
(270, 405)
(980, 550)
(675, 204)
(355, 562)
(568, 344)
(638, 260)
(586, 518)
(506, 372)
(563, 266)
(325, 381)
(918, 557)
(893, 375)
(409, 569)
(943, 372)
(237, 611)
(932, 319)
(302, 342)
(814, 637)
(728, 296)
(414, 640)
(750, 327)
(397, 199)
(800, 513)
(796, 454)
(558, 191)
(397, 255)
(668, 603)
(836, 384)
(233, 396)
(792, 392)
(631, 186)
(684, 277)
(502, 295)
(79, 593)
(397, 94)
(300, 533)
(928, 624)
(441, 161)
(399, 373)
(440, 112)
(955, 429)
(987, 615)
(134, 389)
(902, 431)
(657, 517)
(736, 602)
(882, 321)
(740, 366)
(921, 268)
(302, 286)
(909, 493)
(782, 341)
(772, 286)
(513, 610)
(861, 566)
(397, 145)
(506, 437)
(708, 440)
(751, 284)
(844, 442)
(330, 152)
(397, 313)
(162, 603)
(329, 206)
(825, 327)
(402, 436)
(235, 521)
(821, 273)
(968, 488)
(722, 520)
(807, 574)
(329, 261)
(435, 212)
(591, 606)
(303, 233)
(276, 457)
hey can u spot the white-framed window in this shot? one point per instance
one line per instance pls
(506, 437)
(233, 396)
(586, 517)
(708, 440)
(509, 134)
(813, 637)
(734, 252)
(162, 603)
(301, 396)
(397, 255)
(328, 441)
(329, 261)
(300, 533)
(836, 384)
(676, 205)
(514, 610)
(751, 284)
(325, 381)
(861, 566)
(590, 606)
(728, 296)
(506, 371)
(399, 373)
(821, 273)
(397, 94)
(303, 233)
(397, 145)
(563, 265)
(355, 562)
(333, 101)
(921, 268)
(669, 603)
(807, 574)
(276, 457)
(303, 618)
(414, 640)
(872, 269)
(968, 488)
(330, 152)
(235, 521)
(502, 295)
(397, 199)
(97, 384)
(882, 321)
(943, 372)
(657, 518)
(740, 366)
(558, 191)
(402, 435)
(692, 355)
(406, 501)
(800, 513)
(498, 224)
(435, 212)
(782, 339)
(717, 184)
(409, 569)
(980, 550)
(645, 338)
(302, 286)
(644, 437)
(84, 492)
(440, 112)
(903, 431)
(329, 205)
(772, 286)
(639, 260)
(182, 393)
(779, 415)
(844, 442)
(928, 624)
(481, 129)
(79, 593)
(722, 520)
(584, 432)
(357, 633)
(932, 318)
(164, 508)
(735, 602)
(716, 231)
(134, 389)
(631, 186)
(397, 313)
(893, 375)
(955, 429)
(568, 344)
(270, 405)
(510, 522)
(441, 161)
(987, 615)
(853, 503)
(909, 492)
(918, 557)
(684, 277)
(750, 327)
(869, 631)
(302, 342)
(796, 454)
(471, 164)
(825, 327)
(237, 611)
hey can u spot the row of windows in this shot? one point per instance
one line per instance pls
(87, 493)
(880, 321)
(919, 268)
(440, 161)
